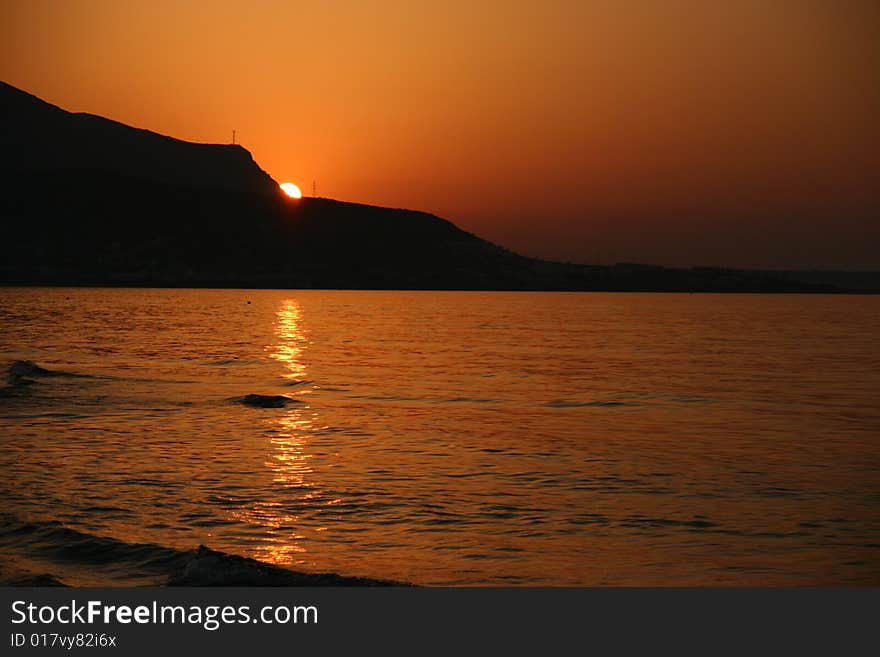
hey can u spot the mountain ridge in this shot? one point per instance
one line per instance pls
(86, 200)
(42, 137)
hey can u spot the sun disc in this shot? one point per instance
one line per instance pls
(291, 190)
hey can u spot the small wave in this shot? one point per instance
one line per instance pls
(389, 398)
(565, 403)
(208, 567)
(29, 578)
(233, 361)
(113, 561)
(777, 491)
(643, 522)
(22, 369)
(22, 374)
(434, 400)
(54, 545)
(59, 415)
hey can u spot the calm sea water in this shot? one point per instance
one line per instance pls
(448, 438)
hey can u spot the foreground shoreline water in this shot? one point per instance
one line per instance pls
(54, 548)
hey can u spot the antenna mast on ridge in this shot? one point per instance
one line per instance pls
(314, 194)
(233, 136)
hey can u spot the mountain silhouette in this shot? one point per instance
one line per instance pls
(41, 138)
(85, 200)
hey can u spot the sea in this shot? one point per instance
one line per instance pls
(441, 438)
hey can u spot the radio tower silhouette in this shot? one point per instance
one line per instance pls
(314, 187)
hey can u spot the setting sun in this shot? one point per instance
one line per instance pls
(291, 190)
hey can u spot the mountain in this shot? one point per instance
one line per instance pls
(37, 137)
(89, 200)
(86, 200)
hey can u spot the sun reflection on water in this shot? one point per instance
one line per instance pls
(287, 458)
(291, 340)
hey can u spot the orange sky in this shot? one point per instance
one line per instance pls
(678, 132)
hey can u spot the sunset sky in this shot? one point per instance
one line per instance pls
(675, 132)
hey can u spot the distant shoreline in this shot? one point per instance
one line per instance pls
(543, 276)
(250, 285)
